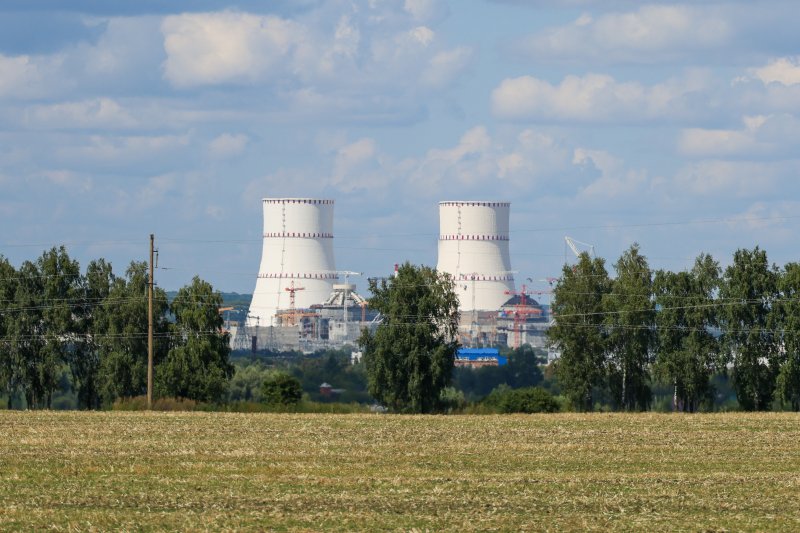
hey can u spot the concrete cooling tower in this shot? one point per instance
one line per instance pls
(473, 247)
(297, 254)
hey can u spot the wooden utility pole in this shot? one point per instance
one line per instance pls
(150, 330)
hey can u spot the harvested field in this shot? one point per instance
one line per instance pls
(199, 471)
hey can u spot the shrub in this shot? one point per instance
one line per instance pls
(139, 403)
(452, 400)
(280, 388)
(526, 400)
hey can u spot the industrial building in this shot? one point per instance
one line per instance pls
(474, 249)
(297, 264)
(300, 303)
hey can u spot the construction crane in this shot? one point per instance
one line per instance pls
(291, 289)
(573, 245)
(521, 312)
(473, 277)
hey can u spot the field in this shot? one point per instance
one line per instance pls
(198, 471)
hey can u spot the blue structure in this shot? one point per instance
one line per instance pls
(482, 355)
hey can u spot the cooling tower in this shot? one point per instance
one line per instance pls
(298, 252)
(473, 247)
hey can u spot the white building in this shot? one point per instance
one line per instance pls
(297, 257)
(473, 248)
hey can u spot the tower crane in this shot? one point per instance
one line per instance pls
(291, 289)
(473, 277)
(573, 245)
(521, 312)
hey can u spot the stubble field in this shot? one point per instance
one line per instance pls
(213, 471)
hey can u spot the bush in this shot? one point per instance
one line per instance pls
(527, 400)
(280, 388)
(139, 403)
(452, 400)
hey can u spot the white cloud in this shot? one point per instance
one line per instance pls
(17, 75)
(356, 166)
(212, 48)
(68, 180)
(373, 54)
(772, 216)
(726, 179)
(761, 135)
(426, 10)
(614, 181)
(156, 190)
(594, 97)
(479, 162)
(228, 145)
(104, 113)
(26, 76)
(651, 33)
(446, 66)
(123, 149)
(785, 70)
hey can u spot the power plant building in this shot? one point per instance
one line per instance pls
(299, 302)
(297, 268)
(473, 248)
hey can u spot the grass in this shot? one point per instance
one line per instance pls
(68, 471)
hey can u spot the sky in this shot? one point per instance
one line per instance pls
(672, 125)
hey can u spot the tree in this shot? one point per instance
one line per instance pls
(197, 365)
(10, 371)
(410, 357)
(687, 350)
(26, 334)
(630, 319)
(579, 331)
(121, 334)
(748, 290)
(788, 309)
(281, 388)
(84, 362)
(523, 367)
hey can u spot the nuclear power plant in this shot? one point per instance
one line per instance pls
(297, 264)
(473, 248)
(300, 303)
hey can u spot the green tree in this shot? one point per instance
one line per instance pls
(197, 365)
(688, 352)
(84, 362)
(630, 319)
(579, 332)
(523, 367)
(11, 373)
(410, 357)
(26, 329)
(788, 309)
(245, 385)
(749, 288)
(121, 334)
(281, 388)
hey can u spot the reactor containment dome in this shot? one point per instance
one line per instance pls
(473, 248)
(297, 264)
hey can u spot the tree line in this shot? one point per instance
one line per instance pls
(617, 337)
(53, 317)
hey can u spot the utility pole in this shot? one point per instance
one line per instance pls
(150, 329)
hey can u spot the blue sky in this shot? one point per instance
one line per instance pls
(675, 125)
